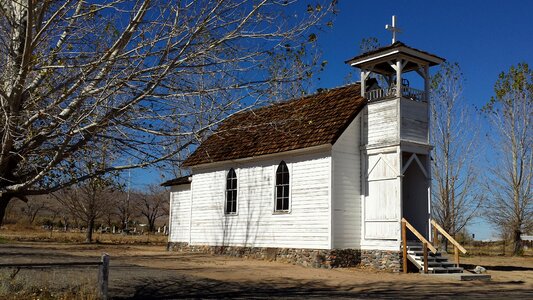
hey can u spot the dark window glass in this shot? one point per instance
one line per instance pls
(282, 187)
(231, 192)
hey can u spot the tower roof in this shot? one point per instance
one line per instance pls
(398, 48)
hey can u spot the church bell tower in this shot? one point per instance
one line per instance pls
(395, 142)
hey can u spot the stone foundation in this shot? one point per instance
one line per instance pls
(316, 258)
(382, 260)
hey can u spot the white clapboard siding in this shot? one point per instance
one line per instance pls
(414, 118)
(347, 188)
(255, 224)
(180, 208)
(383, 122)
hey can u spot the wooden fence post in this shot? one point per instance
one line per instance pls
(103, 277)
(404, 244)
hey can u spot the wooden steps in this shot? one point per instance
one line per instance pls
(437, 263)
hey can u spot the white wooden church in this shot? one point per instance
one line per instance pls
(333, 171)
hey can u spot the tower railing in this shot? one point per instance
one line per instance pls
(407, 92)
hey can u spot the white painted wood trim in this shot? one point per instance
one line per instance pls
(375, 57)
(331, 208)
(381, 148)
(399, 64)
(363, 178)
(415, 158)
(381, 158)
(291, 184)
(400, 190)
(383, 178)
(391, 245)
(170, 207)
(428, 163)
(190, 211)
(422, 167)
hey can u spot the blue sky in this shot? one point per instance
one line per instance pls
(484, 37)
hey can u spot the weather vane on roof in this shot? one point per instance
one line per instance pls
(393, 29)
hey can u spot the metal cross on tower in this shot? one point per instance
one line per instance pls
(393, 29)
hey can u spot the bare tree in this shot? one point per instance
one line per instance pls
(75, 73)
(87, 201)
(124, 209)
(509, 184)
(153, 204)
(34, 206)
(456, 197)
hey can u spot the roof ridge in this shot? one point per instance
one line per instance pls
(286, 101)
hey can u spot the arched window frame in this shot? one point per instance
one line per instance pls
(282, 189)
(231, 192)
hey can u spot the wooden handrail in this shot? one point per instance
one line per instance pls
(449, 237)
(425, 244)
(419, 236)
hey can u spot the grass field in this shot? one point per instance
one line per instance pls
(35, 235)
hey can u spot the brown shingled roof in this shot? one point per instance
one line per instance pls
(299, 123)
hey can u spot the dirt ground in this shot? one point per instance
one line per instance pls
(150, 272)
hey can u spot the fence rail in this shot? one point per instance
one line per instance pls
(103, 270)
(50, 265)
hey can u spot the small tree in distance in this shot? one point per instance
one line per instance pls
(153, 204)
(35, 206)
(87, 201)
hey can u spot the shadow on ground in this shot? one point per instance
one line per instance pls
(169, 285)
(154, 276)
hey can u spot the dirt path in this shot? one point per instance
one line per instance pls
(149, 272)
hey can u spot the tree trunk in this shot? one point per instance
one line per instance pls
(151, 225)
(90, 228)
(4, 201)
(517, 243)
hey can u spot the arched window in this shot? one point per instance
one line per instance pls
(282, 187)
(231, 192)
